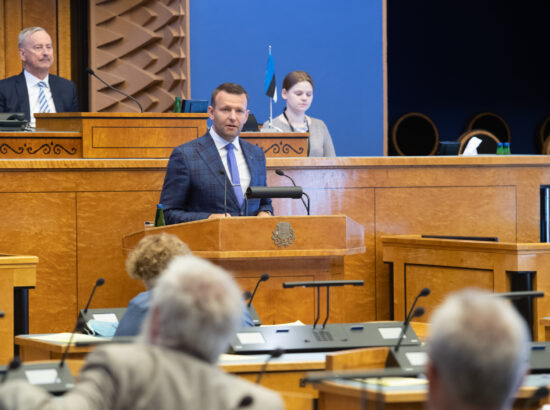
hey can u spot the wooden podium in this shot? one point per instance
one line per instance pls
(288, 248)
(16, 271)
(447, 265)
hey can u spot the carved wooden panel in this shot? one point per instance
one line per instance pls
(142, 48)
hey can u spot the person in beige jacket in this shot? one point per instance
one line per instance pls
(195, 310)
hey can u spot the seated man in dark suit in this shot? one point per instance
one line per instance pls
(207, 177)
(35, 90)
(478, 350)
(195, 310)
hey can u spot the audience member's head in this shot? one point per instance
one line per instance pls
(196, 308)
(36, 51)
(152, 255)
(478, 352)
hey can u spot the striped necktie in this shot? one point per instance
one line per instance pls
(42, 100)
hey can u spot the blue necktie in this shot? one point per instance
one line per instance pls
(234, 171)
(42, 101)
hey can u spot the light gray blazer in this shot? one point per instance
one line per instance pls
(320, 142)
(140, 377)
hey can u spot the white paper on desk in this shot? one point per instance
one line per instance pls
(64, 338)
(390, 332)
(471, 147)
(42, 376)
(417, 358)
(105, 317)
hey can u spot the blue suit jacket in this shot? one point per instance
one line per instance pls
(194, 182)
(14, 96)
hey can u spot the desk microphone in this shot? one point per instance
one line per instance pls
(273, 355)
(419, 311)
(539, 394)
(91, 72)
(79, 322)
(245, 402)
(15, 364)
(422, 293)
(263, 278)
(281, 173)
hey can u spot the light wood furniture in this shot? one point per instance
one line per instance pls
(15, 271)
(126, 135)
(279, 144)
(282, 374)
(72, 213)
(248, 247)
(446, 265)
(348, 395)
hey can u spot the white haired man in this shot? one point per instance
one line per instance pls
(195, 309)
(478, 353)
(35, 90)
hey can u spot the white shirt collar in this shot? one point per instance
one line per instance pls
(32, 80)
(221, 142)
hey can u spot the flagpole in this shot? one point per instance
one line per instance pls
(270, 102)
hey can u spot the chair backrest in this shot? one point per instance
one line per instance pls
(544, 136)
(494, 123)
(488, 144)
(415, 134)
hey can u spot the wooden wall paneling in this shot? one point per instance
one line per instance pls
(43, 224)
(142, 49)
(122, 213)
(13, 18)
(2, 40)
(64, 47)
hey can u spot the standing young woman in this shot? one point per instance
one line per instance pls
(298, 93)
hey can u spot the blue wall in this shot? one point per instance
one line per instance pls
(453, 59)
(338, 43)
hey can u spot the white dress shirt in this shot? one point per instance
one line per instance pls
(34, 90)
(244, 172)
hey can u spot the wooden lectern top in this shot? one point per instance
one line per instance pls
(273, 237)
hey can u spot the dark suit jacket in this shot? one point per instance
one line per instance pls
(194, 182)
(14, 96)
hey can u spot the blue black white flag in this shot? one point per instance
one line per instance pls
(270, 85)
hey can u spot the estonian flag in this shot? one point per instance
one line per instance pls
(270, 85)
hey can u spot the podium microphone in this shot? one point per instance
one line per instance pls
(419, 311)
(539, 394)
(79, 322)
(281, 173)
(91, 72)
(273, 355)
(263, 278)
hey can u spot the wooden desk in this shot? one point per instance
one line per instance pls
(348, 394)
(283, 374)
(446, 265)
(16, 271)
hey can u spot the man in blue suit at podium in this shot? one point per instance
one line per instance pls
(35, 90)
(207, 177)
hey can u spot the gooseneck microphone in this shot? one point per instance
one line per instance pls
(539, 394)
(222, 173)
(419, 311)
(273, 355)
(263, 278)
(79, 322)
(281, 173)
(91, 72)
(246, 401)
(423, 292)
(15, 363)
